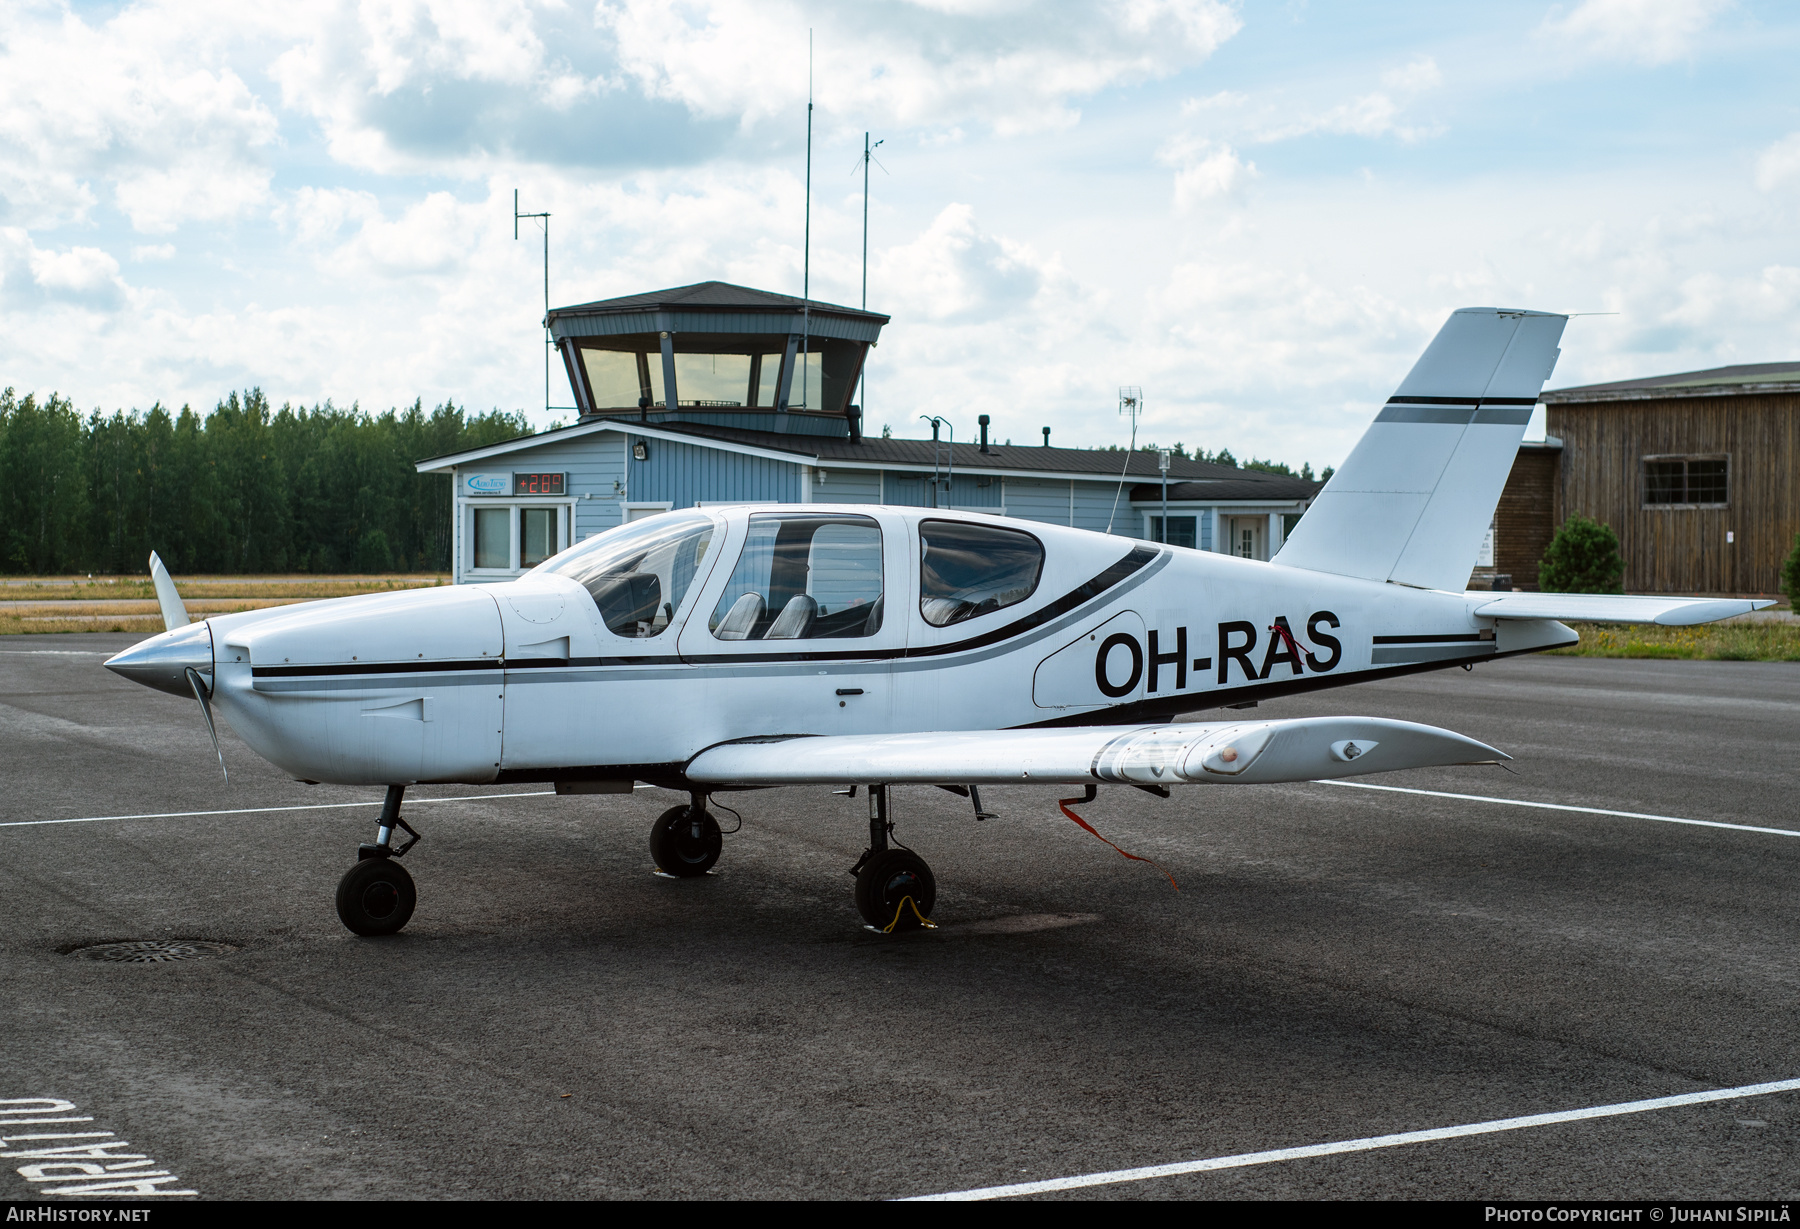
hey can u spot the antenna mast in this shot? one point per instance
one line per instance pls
(806, 246)
(868, 154)
(1131, 401)
(548, 344)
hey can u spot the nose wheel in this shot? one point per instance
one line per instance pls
(686, 841)
(377, 896)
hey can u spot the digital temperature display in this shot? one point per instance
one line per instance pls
(538, 484)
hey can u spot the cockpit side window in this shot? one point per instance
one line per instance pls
(968, 570)
(803, 577)
(639, 574)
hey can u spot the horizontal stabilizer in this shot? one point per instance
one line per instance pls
(1219, 753)
(1610, 608)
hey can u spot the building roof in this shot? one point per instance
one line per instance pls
(1215, 481)
(701, 296)
(1249, 484)
(918, 454)
(1711, 382)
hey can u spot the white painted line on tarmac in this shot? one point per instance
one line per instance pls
(314, 806)
(317, 806)
(55, 652)
(1243, 1159)
(92, 1167)
(1557, 806)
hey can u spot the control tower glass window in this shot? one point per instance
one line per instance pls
(712, 379)
(822, 376)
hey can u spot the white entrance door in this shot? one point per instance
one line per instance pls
(1248, 535)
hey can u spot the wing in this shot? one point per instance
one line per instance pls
(1220, 753)
(1606, 608)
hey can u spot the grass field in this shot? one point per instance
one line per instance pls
(1745, 641)
(128, 603)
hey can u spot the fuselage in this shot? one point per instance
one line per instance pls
(837, 620)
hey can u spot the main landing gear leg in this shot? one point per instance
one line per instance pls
(895, 890)
(376, 896)
(686, 841)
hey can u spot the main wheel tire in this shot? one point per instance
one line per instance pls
(376, 897)
(895, 890)
(685, 842)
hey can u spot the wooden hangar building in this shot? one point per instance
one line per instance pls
(1696, 473)
(720, 394)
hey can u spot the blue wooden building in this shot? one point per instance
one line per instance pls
(720, 394)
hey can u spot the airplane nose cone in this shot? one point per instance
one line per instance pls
(162, 661)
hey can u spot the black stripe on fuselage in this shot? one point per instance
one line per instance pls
(1135, 560)
(379, 667)
(1451, 639)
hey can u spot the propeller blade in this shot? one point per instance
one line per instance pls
(204, 695)
(173, 612)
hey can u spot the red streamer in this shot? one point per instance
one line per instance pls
(1064, 804)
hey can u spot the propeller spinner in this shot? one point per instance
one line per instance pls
(180, 660)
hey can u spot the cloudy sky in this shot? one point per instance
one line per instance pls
(1258, 212)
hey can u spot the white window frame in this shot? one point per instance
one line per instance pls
(645, 505)
(467, 572)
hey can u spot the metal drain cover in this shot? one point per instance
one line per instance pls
(154, 951)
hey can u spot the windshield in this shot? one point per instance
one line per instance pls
(639, 573)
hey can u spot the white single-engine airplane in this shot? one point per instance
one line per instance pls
(744, 647)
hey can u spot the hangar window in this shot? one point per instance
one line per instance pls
(969, 570)
(639, 573)
(803, 578)
(1687, 482)
(493, 531)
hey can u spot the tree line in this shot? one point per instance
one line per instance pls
(1225, 457)
(246, 488)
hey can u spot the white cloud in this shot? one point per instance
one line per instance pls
(1779, 163)
(957, 271)
(318, 216)
(1420, 75)
(1648, 31)
(1374, 114)
(1204, 170)
(1014, 66)
(140, 101)
(153, 251)
(31, 276)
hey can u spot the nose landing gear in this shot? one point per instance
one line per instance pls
(377, 896)
(895, 889)
(686, 841)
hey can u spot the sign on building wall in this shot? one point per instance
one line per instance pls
(487, 484)
(1484, 558)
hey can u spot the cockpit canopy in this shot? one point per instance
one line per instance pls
(799, 575)
(638, 574)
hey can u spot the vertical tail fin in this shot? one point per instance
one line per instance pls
(1413, 500)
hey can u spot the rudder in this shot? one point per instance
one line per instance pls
(1412, 501)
